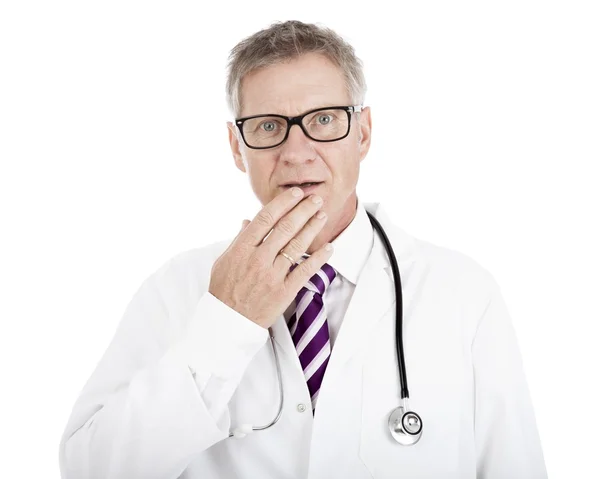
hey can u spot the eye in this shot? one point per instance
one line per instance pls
(268, 126)
(324, 119)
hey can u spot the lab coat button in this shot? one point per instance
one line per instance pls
(301, 407)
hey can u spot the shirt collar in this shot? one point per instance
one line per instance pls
(352, 247)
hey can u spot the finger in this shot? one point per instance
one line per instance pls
(269, 215)
(305, 270)
(298, 245)
(288, 227)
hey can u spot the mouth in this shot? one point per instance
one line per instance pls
(302, 185)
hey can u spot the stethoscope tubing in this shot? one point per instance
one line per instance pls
(398, 287)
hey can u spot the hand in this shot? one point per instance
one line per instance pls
(252, 277)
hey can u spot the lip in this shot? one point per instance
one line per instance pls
(306, 189)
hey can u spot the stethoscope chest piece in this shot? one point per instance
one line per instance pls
(406, 427)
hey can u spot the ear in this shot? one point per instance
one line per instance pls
(234, 143)
(365, 132)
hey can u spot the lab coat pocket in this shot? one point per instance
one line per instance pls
(433, 396)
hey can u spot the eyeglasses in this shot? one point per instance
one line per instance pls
(331, 123)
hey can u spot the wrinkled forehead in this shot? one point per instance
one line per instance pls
(294, 87)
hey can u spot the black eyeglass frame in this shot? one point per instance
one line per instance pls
(297, 120)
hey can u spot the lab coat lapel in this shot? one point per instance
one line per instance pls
(283, 338)
(374, 295)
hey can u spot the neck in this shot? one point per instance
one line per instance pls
(334, 226)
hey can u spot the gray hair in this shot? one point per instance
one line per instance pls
(284, 41)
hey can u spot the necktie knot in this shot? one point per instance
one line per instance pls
(321, 280)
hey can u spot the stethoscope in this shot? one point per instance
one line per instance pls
(405, 425)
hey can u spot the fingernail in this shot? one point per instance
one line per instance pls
(321, 214)
(316, 199)
(296, 191)
(328, 247)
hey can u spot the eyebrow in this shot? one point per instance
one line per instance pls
(299, 114)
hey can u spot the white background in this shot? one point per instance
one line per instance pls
(114, 157)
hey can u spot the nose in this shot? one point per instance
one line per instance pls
(298, 147)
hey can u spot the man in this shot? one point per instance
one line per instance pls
(190, 381)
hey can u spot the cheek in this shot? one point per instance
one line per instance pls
(344, 166)
(260, 171)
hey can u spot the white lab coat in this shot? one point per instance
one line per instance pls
(142, 414)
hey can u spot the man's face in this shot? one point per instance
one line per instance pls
(291, 89)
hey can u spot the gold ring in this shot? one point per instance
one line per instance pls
(287, 256)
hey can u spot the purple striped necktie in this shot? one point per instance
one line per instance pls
(309, 330)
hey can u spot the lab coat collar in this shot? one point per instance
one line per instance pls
(373, 296)
(352, 247)
(403, 243)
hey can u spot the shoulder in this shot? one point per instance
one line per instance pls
(452, 271)
(456, 263)
(197, 259)
(446, 265)
(185, 276)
